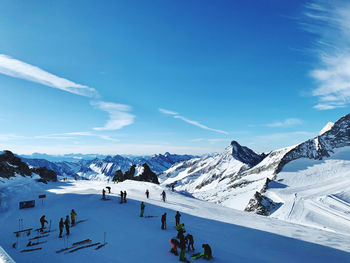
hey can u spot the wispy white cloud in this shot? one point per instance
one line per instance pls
(192, 122)
(330, 21)
(196, 123)
(286, 123)
(119, 115)
(73, 135)
(8, 137)
(169, 112)
(19, 69)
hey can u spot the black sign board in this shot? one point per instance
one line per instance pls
(26, 204)
(42, 196)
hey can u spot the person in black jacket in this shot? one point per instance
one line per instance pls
(164, 221)
(124, 196)
(177, 218)
(42, 221)
(67, 225)
(147, 193)
(121, 197)
(207, 251)
(60, 226)
(189, 241)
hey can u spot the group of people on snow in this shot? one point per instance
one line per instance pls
(66, 223)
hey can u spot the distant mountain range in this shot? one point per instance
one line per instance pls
(84, 166)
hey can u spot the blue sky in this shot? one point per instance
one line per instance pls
(143, 77)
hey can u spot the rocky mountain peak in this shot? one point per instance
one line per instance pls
(244, 154)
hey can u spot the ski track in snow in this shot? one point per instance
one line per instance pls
(234, 236)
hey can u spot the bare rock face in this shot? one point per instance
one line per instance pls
(261, 205)
(10, 165)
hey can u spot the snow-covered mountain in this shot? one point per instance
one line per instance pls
(239, 179)
(103, 168)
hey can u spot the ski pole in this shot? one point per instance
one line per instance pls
(104, 240)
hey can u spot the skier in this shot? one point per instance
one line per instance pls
(172, 188)
(121, 196)
(73, 215)
(142, 209)
(42, 221)
(180, 231)
(177, 218)
(164, 221)
(66, 223)
(175, 244)
(189, 241)
(163, 194)
(60, 226)
(124, 196)
(147, 193)
(103, 194)
(109, 189)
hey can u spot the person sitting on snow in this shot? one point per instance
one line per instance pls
(175, 244)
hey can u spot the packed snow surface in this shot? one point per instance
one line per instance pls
(234, 236)
(315, 192)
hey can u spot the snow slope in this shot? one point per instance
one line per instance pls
(315, 192)
(234, 236)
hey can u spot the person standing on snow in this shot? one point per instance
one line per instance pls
(147, 193)
(121, 197)
(142, 209)
(177, 218)
(183, 249)
(103, 194)
(124, 196)
(164, 221)
(163, 194)
(66, 223)
(42, 221)
(180, 231)
(60, 226)
(73, 215)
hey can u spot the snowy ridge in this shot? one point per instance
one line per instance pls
(225, 179)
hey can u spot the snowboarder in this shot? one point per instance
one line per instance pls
(183, 250)
(42, 221)
(73, 215)
(189, 241)
(121, 197)
(175, 243)
(163, 194)
(66, 223)
(147, 193)
(109, 189)
(164, 221)
(60, 226)
(177, 218)
(103, 194)
(180, 231)
(142, 209)
(124, 196)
